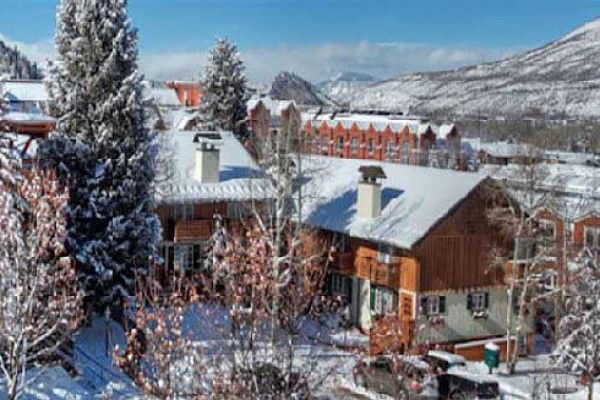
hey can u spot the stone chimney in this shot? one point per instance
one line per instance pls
(369, 191)
(206, 169)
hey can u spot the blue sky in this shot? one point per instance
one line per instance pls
(334, 33)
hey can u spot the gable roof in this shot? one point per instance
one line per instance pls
(24, 90)
(414, 199)
(240, 178)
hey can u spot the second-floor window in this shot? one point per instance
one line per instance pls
(371, 146)
(385, 253)
(405, 152)
(390, 151)
(339, 144)
(591, 237)
(547, 229)
(354, 146)
(183, 212)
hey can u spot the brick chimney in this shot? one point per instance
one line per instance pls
(369, 192)
(206, 169)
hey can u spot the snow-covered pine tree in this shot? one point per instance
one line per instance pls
(578, 347)
(224, 96)
(97, 94)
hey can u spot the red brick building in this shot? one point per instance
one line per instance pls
(383, 138)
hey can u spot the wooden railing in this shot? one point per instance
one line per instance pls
(368, 269)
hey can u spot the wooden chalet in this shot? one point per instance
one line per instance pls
(411, 254)
(207, 174)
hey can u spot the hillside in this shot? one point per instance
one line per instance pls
(288, 86)
(15, 65)
(558, 79)
(345, 84)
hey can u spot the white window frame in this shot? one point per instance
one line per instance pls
(595, 232)
(433, 305)
(478, 301)
(384, 301)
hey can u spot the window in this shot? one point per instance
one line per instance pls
(341, 286)
(371, 146)
(591, 236)
(389, 149)
(478, 301)
(339, 144)
(433, 305)
(383, 300)
(405, 152)
(547, 228)
(183, 212)
(385, 253)
(325, 144)
(183, 258)
(354, 146)
(317, 143)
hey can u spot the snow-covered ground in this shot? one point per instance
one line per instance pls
(99, 377)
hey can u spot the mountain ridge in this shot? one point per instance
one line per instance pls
(558, 79)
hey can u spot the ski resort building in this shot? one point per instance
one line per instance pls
(205, 175)
(383, 138)
(188, 93)
(411, 254)
(265, 113)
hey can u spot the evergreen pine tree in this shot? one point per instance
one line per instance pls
(96, 90)
(224, 96)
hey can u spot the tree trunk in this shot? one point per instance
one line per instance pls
(12, 389)
(591, 389)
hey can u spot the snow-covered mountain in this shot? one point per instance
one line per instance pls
(289, 86)
(560, 78)
(345, 84)
(15, 65)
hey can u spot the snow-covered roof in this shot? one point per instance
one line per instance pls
(23, 117)
(414, 199)
(505, 149)
(240, 178)
(24, 90)
(165, 97)
(379, 122)
(275, 107)
(573, 191)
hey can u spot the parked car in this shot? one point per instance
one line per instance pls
(403, 378)
(461, 385)
(442, 361)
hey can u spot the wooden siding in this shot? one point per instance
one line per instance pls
(191, 231)
(453, 256)
(579, 229)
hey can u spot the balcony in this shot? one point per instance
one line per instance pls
(192, 230)
(367, 269)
